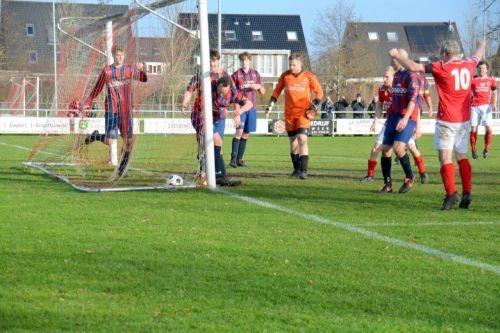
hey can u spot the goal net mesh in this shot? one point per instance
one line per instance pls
(163, 142)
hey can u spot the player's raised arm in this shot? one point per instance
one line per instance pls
(402, 58)
(480, 49)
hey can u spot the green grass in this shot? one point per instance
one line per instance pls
(206, 261)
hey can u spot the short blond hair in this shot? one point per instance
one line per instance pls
(389, 69)
(117, 48)
(450, 47)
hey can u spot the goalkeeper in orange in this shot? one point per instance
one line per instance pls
(303, 95)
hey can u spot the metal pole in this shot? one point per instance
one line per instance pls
(207, 95)
(37, 95)
(484, 26)
(55, 53)
(24, 96)
(109, 42)
(219, 27)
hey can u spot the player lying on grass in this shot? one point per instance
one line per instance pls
(300, 87)
(453, 75)
(117, 78)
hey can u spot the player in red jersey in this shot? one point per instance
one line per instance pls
(118, 105)
(484, 101)
(453, 76)
(247, 80)
(383, 105)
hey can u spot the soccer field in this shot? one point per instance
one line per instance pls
(277, 254)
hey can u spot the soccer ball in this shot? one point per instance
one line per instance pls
(175, 180)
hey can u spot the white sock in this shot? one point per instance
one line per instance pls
(113, 153)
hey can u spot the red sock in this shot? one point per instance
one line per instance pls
(371, 168)
(466, 174)
(473, 140)
(419, 161)
(488, 139)
(448, 175)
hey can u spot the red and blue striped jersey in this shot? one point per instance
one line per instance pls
(244, 80)
(221, 102)
(405, 89)
(195, 85)
(118, 82)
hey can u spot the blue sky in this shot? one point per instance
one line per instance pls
(368, 10)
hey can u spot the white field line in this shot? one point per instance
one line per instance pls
(369, 234)
(425, 224)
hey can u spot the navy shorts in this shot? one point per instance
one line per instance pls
(113, 122)
(219, 127)
(248, 121)
(391, 135)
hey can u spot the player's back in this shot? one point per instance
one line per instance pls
(453, 83)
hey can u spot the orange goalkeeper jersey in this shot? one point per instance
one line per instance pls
(298, 91)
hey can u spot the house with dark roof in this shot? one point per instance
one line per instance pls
(422, 40)
(26, 30)
(269, 38)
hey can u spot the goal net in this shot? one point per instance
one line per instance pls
(155, 144)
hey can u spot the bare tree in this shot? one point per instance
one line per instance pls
(328, 36)
(481, 22)
(337, 57)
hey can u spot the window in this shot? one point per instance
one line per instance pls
(392, 36)
(32, 57)
(30, 30)
(50, 34)
(156, 50)
(231, 62)
(372, 35)
(265, 64)
(230, 34)
(291, 35)
(257, 35)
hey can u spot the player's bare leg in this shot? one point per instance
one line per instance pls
(473, 141)
(419, 161)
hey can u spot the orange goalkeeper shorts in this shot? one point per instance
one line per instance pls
(295, 121)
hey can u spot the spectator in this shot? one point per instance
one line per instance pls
(327, 108)
(340, 105)
(372, 106)
(358, 106)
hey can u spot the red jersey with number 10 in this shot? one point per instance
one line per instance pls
(453, 83)
(481, 90)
